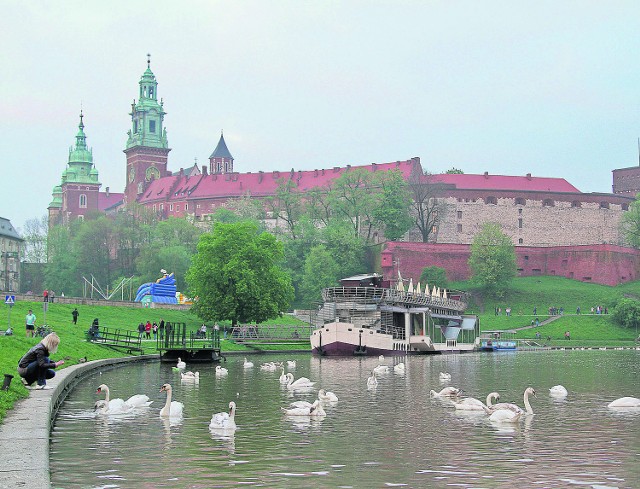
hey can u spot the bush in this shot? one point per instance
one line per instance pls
(627, 313)
(434, 276)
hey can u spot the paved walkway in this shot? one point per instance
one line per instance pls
(24, 435)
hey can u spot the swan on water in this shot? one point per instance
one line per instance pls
(221, 371)
(135, 401)
(190, 376)
(314, 410)
(283, 378)
(444, 376)
(301, 383)
(224, 421)
(291, 364)
(625, 402)
(269, 367)
(381, 369)
(171, 409)
(327, 396)
(558, 391)
(247, 364)
(372, 381)
(181, 364)
(381, 358)
(505, 416)
(399, 368)
(507, 406)
(446, 392)
(472, 404)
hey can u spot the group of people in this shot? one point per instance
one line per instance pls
(507, 311)
(49, 295)
(148, 328)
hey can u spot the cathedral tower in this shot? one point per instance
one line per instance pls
(77, 194)
(147, 148)
(221, 160)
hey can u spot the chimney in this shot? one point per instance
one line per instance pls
(348, 167)
(528, 176)
(106, 191)
(204, 169)
(486, 175)
(315, 173)
(373, 167)
(182, 172)
(336, 169)
(260, 173)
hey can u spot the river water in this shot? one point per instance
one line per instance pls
(392, 436)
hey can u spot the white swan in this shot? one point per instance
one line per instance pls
(171, 409)
(247, 364)
(190, 376)
(381, 369)
(135, 401)
(291, 364)
(327, 396)
(399, 368)
(314, 410)
(505, 416)
(472, 404)
(381, 358)
(268, 367)
(372, 381)
(501, 406)
(283, 378)
(446, 392)
(103, 407)
(625, 402)
(181, 364)
(221, 371)
(445, 377)
(558, 391)
(301, 383)
(224, 421)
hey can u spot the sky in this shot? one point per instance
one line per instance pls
(550, 88)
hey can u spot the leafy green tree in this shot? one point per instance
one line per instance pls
(286, 205)
(434, 276)
(61, 272)
(391, 212)
(320, 270)
(455, 171)
(492, 260)
(630, 224)
(353, 199)
(627, 313)
(236, 275)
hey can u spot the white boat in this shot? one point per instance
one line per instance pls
(367, 316)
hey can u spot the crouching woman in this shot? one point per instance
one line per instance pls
(35, 365)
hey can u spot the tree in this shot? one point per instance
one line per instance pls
(434, 276)
(426, 208)
(493, 259)
(320, 270)
(35, 240)
(393, 202)
(236, 275)
(627, 313)
(630, 224)
(455, 171)
(287, 204)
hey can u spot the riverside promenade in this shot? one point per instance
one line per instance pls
(24, 435)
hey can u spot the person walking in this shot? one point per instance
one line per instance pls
(45, 295)
(30, 321)
(35, 365)
(74, 315)
(147, 330)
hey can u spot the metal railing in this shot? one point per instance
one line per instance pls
(375, 295)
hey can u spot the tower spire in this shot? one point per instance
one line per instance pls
(149, 60)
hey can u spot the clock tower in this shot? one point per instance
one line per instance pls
(147, 148)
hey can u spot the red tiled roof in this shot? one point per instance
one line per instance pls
(106, 201)
(504, 182)
(257, 184)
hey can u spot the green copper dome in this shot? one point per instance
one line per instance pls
(80, 166)
(56, 201)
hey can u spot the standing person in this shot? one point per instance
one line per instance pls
(74, 315)
(30, 321)
(52, 295)
(168, 330)
(140, 329)
(161, 327)
(35, 365)
(154, 328)
(147, 330)
(45, 295)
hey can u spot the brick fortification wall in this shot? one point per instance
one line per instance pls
(602, 264)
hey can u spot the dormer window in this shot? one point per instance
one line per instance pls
(83, 201)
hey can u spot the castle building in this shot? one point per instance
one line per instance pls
(10, 254)
(536, 212)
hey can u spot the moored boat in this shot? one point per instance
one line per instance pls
(368, 316)
(498, 341)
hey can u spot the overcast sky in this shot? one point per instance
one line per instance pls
(547, 87)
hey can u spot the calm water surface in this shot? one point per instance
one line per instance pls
(391, 436)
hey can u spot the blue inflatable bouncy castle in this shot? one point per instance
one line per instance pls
(162, 290)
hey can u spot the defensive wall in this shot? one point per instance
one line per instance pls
(601, 264)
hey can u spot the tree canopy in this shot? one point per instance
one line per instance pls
(236, 275)
(434, 276)
(627, 313)
(492, 260)
(630, 224)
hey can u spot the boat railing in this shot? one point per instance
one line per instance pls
(375, 295)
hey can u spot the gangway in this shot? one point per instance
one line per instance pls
(174, 342)
(117, 338)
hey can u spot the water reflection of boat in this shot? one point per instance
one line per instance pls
(498, 341)
(368, 316)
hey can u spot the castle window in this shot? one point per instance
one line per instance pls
(459, 228)
(548, 203)
(459, 214)
(520, 223)
(161, 207)
(80, 217)
(177, 207)
(604, 205)
(83, 201)
(152, 126)
(520, 201)
(520, 241)
(135, 126)
(491, 200)
(170, 207)
(520, 211)
(576, 203)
